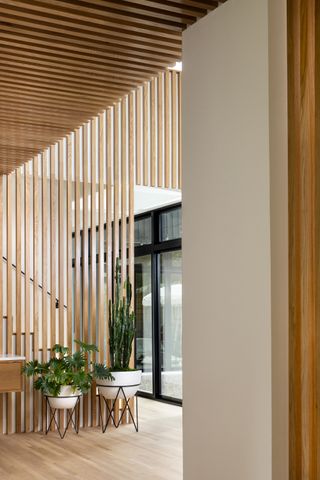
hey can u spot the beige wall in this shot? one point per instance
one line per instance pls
(279, 236)
(229, 226)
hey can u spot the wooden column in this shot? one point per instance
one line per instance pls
(304, 223)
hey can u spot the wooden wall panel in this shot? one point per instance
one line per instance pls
(64, 245)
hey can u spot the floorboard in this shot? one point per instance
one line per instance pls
(155, 453)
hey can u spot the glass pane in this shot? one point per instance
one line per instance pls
(143, 309)
(171, 324)
(142, 232)
(170, 225)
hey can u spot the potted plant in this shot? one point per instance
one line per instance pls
(126, 380)
(66, 375)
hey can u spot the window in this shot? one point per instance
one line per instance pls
(170, 225)
(142, 231)
(158, 303)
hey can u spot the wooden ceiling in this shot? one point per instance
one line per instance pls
(63, 61)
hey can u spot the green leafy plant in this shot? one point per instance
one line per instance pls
(66, 368)
(121, 324)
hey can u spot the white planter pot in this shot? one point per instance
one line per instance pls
(129, 381)
(67, 398)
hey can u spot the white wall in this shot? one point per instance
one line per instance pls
(228, 227)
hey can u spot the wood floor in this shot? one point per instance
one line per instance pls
(155, 453)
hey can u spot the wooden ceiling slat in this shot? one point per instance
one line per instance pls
(64, 37)
(65, 78)
(47, 65)
(139, 65)
(64, 61)
(16, 105)
(101, 9)
(88, 22)
(108, 48)
(102, 67)
(166, 7)
(56, 92)
(62, 85)
(161, 44)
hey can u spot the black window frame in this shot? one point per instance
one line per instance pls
(153, 249)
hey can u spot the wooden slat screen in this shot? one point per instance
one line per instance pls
(71, 205)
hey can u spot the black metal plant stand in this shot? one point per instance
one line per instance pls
(110, 410)
(72, 417)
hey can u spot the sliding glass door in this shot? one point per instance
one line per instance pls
(158, 303)
(171, 324)
(144, 328)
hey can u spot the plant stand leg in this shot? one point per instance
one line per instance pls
(128, 408)
(70, 420)
(110, 412)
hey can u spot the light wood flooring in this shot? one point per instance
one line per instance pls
(155, 453)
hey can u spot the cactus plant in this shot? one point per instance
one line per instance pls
(121, 323)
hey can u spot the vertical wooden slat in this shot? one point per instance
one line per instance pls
(131, 193)
(116, 186)
(109, 221)
(61, 256)
(44, 268)
(124, 195)
(69, 239)
(123, 190)
(1, 292)
(101, 298)
(179, 134)
(85, 269)
(174, 143)
(44, 255)
(116, 206)
(131, 209)
(138, 138)
(18, 284)
(153, 133)
(61, 250)
(93, 270)
(53, 247)
(167, 131)
(77, 313)
(146, 106)
(9, 345)
(27, 289)
(36, 356)
(160, 129)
